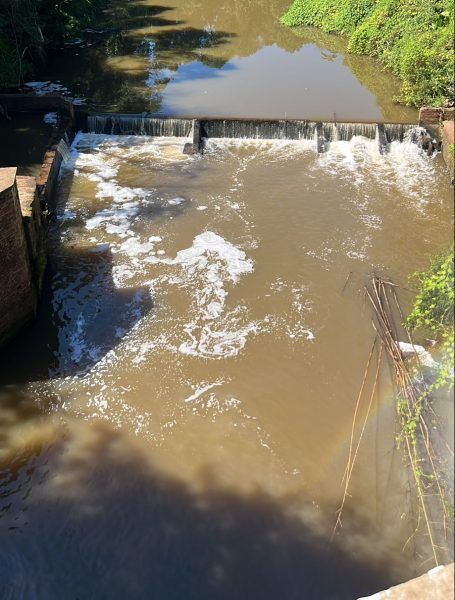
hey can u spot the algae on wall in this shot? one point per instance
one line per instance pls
(414, 38)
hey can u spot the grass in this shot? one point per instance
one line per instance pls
(413, 38)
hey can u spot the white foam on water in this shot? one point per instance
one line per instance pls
(202, 388)
(51, 118)
(224, 338)
(205, 272)
(134, 247)
(254, 149)
(405, 166)
(43, 88)
(208, 265)
(227, 260)
(67, 215)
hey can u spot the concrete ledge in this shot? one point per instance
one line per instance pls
(34, 227)
(430, 118)
(7, 179)
(48, 175)
(440, 123)
(437, 584)
(18, 298)
(448, 114)
(447, 134)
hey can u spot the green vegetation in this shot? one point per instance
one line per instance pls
(413, 38)
(27, 27)
(433, 312)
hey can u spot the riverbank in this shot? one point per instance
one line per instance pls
(29, 29)
(414, 39)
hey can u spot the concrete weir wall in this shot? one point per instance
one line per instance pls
(18, 298)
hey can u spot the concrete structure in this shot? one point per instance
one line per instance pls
(437, 584)
(447, 133)
(23, 202)
(440, 123)
(18, 297)
(34, 224)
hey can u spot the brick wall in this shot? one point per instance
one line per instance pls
(17, 291)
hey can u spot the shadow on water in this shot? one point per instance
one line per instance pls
(74, 332)
(117, 528)
(116, 69)
(137, 49)
(24, 141)
(82, 314)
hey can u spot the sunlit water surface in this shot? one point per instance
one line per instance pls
(211, 58)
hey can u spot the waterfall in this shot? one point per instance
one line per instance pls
(323, 133)
(118, 124)
(258, 130)
(63, 149)
(397, 132)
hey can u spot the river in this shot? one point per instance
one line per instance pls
(177, 422)
(233, 59)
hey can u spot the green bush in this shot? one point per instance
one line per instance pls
(433, 307)
(433, 310)
(413, 38)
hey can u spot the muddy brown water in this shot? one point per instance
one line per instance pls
(177, 423)
(222, 59)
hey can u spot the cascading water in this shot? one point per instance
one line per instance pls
(139, 125)
(323, 133)
(63, 149)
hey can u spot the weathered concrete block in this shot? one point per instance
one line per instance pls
(48, 174)
(437, 584)
(447, 134)
(448, 114)
(18, 294)
(194, 147)
(34, 226)
(429, 115)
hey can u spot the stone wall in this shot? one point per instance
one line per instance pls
(18, 297)
(34, 224)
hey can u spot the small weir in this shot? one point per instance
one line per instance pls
(124, 124)
(204, 129)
